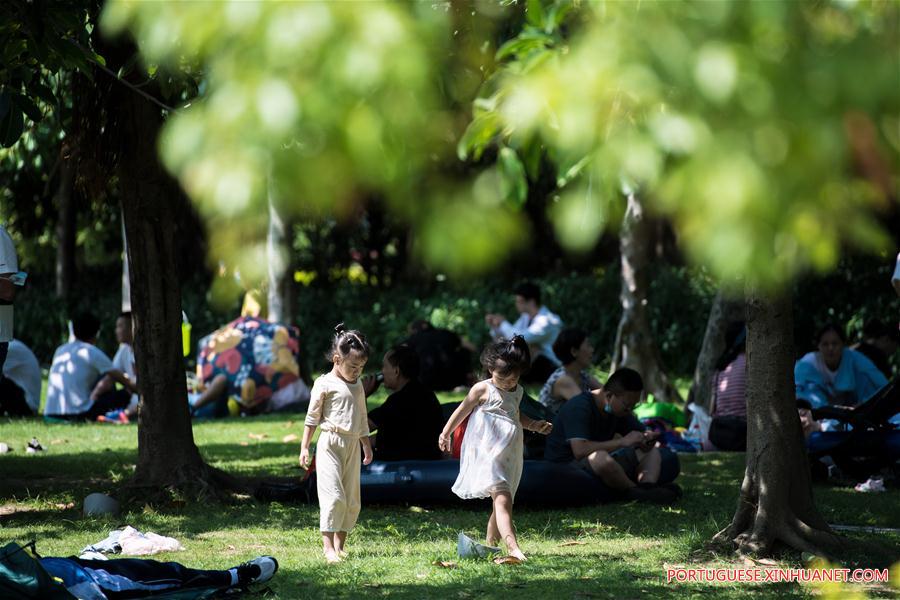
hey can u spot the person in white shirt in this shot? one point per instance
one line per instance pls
(9, 266)
(537, 324)
(20, 385)
(123, 361)
(76, 368)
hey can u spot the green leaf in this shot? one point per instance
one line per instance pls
(11, 126)
(28, 107)
(534, 12)
(41, 91)
(73, 56)
(531, 153)
(478, 135)
(528, 42)
(557, 15)
(514, 177)
(570, 169)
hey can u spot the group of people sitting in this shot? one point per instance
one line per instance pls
(833, 376)
(82, 380)
(82, 386)
(593, 424)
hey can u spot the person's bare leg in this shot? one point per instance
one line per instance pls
(331, 555)
(609, 471)
(213, 391)
(340, 541)
(493, 534)
(503, 516)
(649, 465)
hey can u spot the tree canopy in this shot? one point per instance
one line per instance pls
(751, 125)
(321, 106)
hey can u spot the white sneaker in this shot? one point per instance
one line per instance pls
(259, 570)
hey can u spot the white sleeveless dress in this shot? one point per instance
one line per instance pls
(492, 450)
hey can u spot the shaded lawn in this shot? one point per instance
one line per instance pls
(623, 550)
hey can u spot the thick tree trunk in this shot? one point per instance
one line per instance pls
(64, 201)
(635, 347)
(776, 503)
(724, 310)
(167, 455)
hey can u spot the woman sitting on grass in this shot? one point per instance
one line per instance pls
(575, 351)
(834, 374)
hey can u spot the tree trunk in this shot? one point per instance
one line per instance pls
(635, 347)
(276, 255)
(776, 503)
(167, 455)
(64, 201)
(288, 285)
(724, 310)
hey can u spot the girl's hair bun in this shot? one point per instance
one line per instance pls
(340, 328)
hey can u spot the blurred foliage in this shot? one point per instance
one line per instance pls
(321, 106)
(741, 121)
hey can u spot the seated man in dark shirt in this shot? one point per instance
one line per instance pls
(410, 420)
(598, 431)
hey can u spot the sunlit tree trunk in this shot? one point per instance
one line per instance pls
(776, 503)
(635, 346)
(724, 310)
(276, 256)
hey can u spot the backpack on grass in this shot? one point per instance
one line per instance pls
(23, 578)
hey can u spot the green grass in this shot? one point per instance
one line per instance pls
(625, 549)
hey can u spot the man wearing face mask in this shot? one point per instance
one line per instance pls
(598, 432)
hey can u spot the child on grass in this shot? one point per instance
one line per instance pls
(338, 404)
(492, 449)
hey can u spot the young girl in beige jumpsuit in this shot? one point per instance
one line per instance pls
(338, 404)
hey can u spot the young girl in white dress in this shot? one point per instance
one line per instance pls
(492, 449)
(338, 404)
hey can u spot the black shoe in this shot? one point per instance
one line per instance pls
(651, 493)
(676, 489)
(258, 570)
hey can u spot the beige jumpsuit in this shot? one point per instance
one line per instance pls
(340, 409)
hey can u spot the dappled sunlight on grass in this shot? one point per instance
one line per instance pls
(619, 550)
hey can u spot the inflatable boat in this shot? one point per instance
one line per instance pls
(543, 483)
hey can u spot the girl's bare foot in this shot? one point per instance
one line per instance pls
(332, 557)
(492, 543)
(518, 554)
